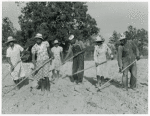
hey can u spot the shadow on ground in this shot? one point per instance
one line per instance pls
(23, 83)
(112, 82)
(68, 76)
(91, 80)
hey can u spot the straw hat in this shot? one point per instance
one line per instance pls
(38, 35)
(99, 39)
(56, 42)
(9, 39)
(71, 37)
(122, 37)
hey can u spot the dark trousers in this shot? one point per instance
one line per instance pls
(133, 70)
(44, 84)
(78, 65)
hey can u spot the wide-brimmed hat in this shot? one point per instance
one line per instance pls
(99, 39)
(10, 39)
(71, 37)
(38, 35)
(56, 42)
(122, 37)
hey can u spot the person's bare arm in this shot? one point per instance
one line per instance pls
(33, 51)
(33, 60)
(61, 55)
(9, 61)
(120, 58)
(95, 57)
(68, 54)
(137, 51)
(50, 53)
(83, 46)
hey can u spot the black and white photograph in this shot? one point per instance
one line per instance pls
(74, 57)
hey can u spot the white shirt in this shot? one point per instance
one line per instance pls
(100, 53)
(14, 53)
(56, 51)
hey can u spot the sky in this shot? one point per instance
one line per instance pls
(109, 16)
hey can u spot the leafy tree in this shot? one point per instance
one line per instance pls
(140, 38)
(7, 30)
(114, 41)
(114, 38)
(56, 20)
(142, 41)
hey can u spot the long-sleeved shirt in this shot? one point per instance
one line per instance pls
(127, 53)
(100, 53)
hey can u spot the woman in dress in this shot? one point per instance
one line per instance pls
(101, 49)
(58, 57)
(42, 49)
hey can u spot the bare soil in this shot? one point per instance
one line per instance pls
(67, 98)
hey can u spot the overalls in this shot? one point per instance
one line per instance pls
(128, 56)
(78, 63)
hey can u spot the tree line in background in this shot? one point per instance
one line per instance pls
(57, 20)
(139, 36)
(54, 20)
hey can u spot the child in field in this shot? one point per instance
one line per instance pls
(58, 57)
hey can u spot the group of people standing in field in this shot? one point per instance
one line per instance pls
(127, 53)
